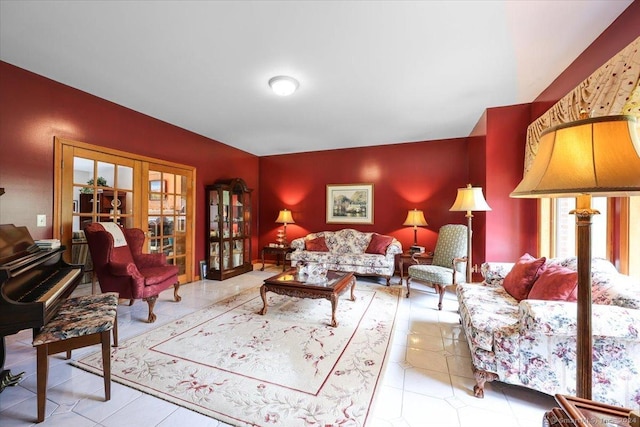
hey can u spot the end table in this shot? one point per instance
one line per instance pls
(280, 251)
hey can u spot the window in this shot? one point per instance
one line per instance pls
(565, 228)
(614, 232)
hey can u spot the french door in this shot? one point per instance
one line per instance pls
(95, 184)
(166, 213)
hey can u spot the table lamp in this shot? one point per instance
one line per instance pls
(578, 159)
(284, 217)
(469, 199)
(415, 218)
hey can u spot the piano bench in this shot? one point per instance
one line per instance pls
(80, 322)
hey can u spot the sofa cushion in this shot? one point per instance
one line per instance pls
(347, 241)
(378, 244)
(556, 283)
(316, 245)
(435, 274)
(522, 276)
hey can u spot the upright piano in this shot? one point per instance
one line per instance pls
(34, 282)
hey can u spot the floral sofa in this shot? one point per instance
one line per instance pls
(532, 342)
(367, 254)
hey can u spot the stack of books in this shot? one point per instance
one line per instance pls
(416, 249)
(48, 244)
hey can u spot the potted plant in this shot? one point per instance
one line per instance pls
(88, 190)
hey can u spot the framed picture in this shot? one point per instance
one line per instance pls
(203, 270)
(157, 189)
(350, 204)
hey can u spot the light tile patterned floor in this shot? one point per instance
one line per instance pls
(427, 380)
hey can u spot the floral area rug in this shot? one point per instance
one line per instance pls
(286, 368)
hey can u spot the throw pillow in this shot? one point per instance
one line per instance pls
(520, 279)
(379, 244)
(316, 245)
(556, 283)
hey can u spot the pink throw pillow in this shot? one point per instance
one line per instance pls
(556, 283)
(520, 279)
(316, 245)
(379, 244)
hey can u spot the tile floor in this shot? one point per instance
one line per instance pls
(427, 380)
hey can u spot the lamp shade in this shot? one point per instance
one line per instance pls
(415, 217)
(597, 155)
(284, 217)
(470, 199)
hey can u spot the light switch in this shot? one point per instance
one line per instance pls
(41, 220)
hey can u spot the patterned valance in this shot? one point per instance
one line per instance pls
(611, 90)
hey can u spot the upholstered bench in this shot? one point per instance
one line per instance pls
(80, 322)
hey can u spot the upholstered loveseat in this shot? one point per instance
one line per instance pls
(530, 341)
(366, 254)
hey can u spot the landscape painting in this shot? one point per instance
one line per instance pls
(350, 204)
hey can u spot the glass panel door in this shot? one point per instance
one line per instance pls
(167, 214)
(102, 192)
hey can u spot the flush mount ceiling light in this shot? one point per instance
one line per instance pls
(283, 85)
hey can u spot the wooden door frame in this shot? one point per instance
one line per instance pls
(63, 208)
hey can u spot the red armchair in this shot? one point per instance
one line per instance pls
(121, 267)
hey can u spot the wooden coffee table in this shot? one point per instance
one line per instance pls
(288, 283)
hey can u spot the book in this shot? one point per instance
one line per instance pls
(48, 243)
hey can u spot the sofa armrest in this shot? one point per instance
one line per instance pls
(124, 269)
(395, 247)
(298, 244)
(559, 318)
(495, 272)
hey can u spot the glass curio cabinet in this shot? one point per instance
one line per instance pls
(229, 229)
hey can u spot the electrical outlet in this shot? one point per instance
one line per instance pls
(41, 220)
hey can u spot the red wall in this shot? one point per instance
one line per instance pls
(423, 175)
(511, 226)
(34, 109)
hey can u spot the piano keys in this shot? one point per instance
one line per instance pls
(34, 282)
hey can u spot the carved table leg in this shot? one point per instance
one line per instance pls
(263, 294)
(353, 287)
(408, 286)
(334, 306)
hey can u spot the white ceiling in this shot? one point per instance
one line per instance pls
(370, 72)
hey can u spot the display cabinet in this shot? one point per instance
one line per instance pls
(228, 229)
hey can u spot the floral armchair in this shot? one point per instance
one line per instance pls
(532, 342)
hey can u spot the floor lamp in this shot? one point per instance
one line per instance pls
(469, 199)
(578, 159)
